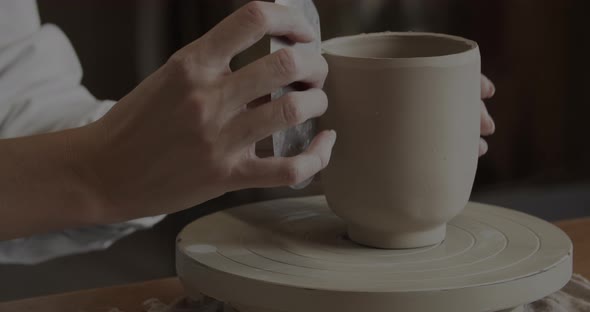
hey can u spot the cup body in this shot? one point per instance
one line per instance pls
(406, 108)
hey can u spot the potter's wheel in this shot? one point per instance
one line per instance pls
(292, 255)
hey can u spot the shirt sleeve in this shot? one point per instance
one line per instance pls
(40, 92)
(40, 86)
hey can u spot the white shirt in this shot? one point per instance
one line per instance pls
(40, 91)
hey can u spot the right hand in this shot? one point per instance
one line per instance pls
(185, 134)
(487, 125)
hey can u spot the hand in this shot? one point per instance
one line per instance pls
(487, 123)
(186, 135)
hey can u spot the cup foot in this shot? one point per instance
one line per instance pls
(406, 240)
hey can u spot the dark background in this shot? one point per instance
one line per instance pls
(536, 52)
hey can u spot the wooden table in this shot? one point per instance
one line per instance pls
(129, 298)
(579, 231)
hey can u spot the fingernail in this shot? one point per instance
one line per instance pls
(492, 89)
(334, 135)
(489, 86)
(489, 120)
(483, 147)
(492, 124)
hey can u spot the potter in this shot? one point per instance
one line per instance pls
(408, 134)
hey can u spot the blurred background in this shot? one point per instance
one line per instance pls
(536, 52)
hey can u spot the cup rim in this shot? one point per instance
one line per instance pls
(470, 53)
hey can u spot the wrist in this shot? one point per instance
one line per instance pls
(87, 174)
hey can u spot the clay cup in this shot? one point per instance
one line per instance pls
(406, 110)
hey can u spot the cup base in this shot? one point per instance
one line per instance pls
(397, 240)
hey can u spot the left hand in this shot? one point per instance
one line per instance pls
(487, 123)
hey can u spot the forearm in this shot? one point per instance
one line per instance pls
(43, 186)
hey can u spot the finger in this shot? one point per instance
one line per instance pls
(274, 71)
(487, 87)
(259, 101)
(249, 24)
(288, 110)
(283, 171)
(483, 147)
(487, 125)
